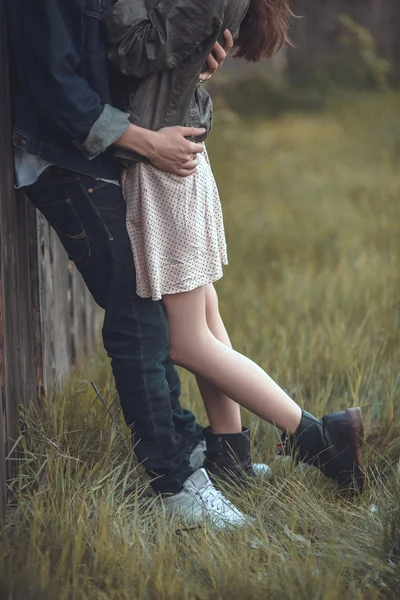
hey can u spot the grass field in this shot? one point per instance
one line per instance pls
(312, 210)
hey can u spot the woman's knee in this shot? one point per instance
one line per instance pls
(188, 328)
(180, 351)
(186, 350)
(175, 355)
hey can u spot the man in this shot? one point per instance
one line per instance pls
(64, 130)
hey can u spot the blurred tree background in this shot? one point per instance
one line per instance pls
(331, 29)
(336, 44)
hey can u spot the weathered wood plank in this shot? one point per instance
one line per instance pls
(3, 420)
(94, 320)
(3, 433)
(45, 297)
(3, 494)
(18, 359)
(60, 313)
(54, 301)
(25, 314)
(87, 317)
(33, 241)
(69, 317)
(79, 322)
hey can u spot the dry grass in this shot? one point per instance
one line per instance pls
(313, 218)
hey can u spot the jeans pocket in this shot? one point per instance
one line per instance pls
(105, 196)
(62, 217)
(108, 203)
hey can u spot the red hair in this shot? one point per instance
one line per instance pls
(264, 29)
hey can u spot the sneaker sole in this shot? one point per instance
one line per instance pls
(357, 429)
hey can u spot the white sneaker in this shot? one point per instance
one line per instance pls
(197, 456)
(197, 459)
(262, 470)
(301, 467)
(199, 502)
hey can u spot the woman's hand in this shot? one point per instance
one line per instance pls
(219, 54)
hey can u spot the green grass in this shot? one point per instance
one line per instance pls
(312, 211)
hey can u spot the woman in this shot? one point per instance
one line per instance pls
(176, 225)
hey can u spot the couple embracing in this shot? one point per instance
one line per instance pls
(110, 120)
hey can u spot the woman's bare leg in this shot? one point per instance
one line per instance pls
(223, 412)
(193, 346)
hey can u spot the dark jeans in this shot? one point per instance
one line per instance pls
(89, 218)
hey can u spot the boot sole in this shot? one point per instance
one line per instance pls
(357, 429)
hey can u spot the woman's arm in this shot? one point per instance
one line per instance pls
(149, 35)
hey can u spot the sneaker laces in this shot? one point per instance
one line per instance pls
(215, 499)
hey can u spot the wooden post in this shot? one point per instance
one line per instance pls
(3, 493)
(35, 297)
(79, 324)
(17, 358)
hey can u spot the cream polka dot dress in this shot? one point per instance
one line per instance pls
(176, 228)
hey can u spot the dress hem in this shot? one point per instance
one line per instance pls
(181, 290)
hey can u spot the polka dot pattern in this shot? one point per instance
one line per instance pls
(176, 228)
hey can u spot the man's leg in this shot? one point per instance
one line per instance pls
(89, 217)
(184, 420)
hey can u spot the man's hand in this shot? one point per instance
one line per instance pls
(167, 149)
(172, 152)
(219, 54)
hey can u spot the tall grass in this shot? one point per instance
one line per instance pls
(312, 214)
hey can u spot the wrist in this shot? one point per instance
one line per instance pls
(137, 139)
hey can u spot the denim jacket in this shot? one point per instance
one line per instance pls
(62, 108)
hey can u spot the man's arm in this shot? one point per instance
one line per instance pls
(145, 41)
(47, 59)
(167, 149)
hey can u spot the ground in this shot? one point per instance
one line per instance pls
(312, 212)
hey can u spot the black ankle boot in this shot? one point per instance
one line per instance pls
(228, 455)
(332, 444)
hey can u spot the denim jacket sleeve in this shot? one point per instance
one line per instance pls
(46, 40)
(155, 35)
